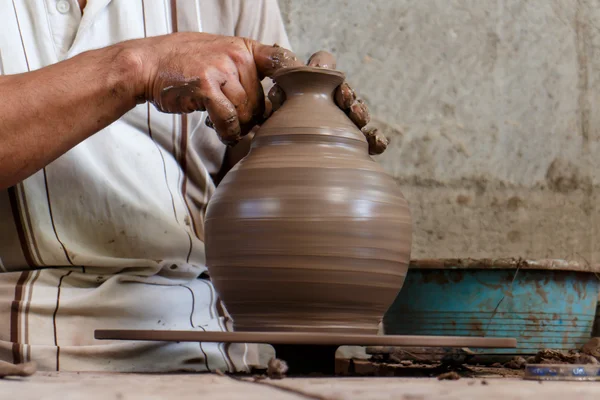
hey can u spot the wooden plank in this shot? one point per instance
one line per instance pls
(337, 339)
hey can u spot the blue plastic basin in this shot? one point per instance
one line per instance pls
(543, 304)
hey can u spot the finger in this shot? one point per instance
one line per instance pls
(236, 94)
(268, 108)
(359, 113)
(255, 107)
(270, 59)
(223, 114)
(322, 59)
(277, 97)
(344, 96)
(376, 140)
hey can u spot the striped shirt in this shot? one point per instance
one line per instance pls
(110, 235)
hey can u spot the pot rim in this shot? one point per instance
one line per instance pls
(547, 264)
(305, 68)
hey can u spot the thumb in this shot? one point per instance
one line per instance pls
(322, 59)
(270, 59)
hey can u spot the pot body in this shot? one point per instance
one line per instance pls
(308, 233)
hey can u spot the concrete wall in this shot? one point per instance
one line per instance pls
(490, 106)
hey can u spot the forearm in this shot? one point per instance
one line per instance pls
(46, 112)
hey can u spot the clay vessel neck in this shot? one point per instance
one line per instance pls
(309, 81)
(309, 110)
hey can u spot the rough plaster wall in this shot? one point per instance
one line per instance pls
(490, 106)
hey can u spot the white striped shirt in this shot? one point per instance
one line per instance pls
(125, 205)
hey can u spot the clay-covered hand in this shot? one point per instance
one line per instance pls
(186, 72)
(345, 97)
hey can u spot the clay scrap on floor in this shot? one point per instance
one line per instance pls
(276, 368)
(448, 364)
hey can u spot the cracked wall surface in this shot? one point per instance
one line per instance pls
(490, 106)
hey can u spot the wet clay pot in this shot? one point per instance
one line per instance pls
(307, 233)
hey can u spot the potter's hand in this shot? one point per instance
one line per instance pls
(345, 98)
(186, 72)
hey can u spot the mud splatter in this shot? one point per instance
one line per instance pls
(180, 95)
(449, 376)
(514, 203)
(279, 57)
(541, 292)
(436, 277)
(463, 199)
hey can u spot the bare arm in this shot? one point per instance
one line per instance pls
(45, 113)
(48, 111)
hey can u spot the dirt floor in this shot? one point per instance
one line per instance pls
(65, 386)
(388, 374)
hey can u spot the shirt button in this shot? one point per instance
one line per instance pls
(63, 6)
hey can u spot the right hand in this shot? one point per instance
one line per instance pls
(186, 72)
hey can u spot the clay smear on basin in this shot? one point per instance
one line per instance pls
(308, 233)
